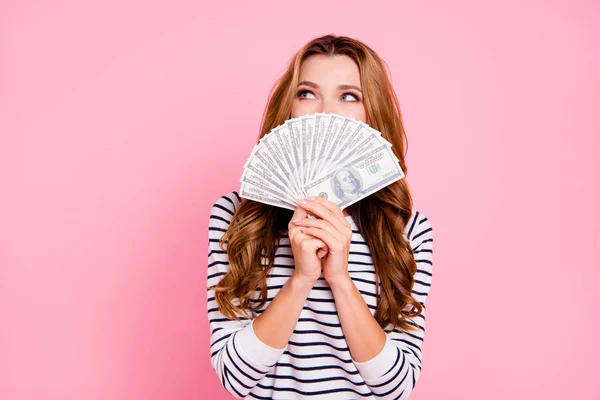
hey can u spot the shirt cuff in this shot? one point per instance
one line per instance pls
(255, 350)
(377, 366)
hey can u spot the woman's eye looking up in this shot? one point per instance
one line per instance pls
(302, 92)
(351, 94)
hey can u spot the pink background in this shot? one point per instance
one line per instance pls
(121, 122)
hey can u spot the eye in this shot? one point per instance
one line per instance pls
(302, 92)
(356, 98)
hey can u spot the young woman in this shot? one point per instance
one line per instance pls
(330, 307)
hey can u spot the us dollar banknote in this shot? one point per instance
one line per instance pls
(338, 158)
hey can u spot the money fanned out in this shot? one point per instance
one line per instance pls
(338, 158)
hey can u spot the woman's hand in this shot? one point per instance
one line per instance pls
(308, 251)
(332, 229)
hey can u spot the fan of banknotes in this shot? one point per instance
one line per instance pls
(326, 155)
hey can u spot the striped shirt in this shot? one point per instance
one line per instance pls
(316, 361)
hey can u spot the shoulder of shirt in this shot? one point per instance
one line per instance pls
(225, 206)
(418, 227)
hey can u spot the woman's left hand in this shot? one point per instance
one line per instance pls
(334, 230)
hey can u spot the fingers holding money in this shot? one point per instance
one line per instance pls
(302, 241)
(328, 211)
(332, 228)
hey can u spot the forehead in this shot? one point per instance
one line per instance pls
(330, 70)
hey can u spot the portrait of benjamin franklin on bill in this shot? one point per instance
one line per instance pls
(346, 184)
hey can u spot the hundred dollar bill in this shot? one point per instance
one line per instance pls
(294, 127)
(280, 156)
(382, 140)
(252, 192)
(354, 139)
(329, 141)
(285, 139)
(358, 179)
(262, 159)
(321, 125)
(368, 143)
(258, 175)
(348, 128)
(337, 124)
(308, 124)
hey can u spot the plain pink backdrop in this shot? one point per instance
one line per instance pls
(121, 122)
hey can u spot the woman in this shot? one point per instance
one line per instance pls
(329, 307)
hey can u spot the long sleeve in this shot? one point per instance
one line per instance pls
(238, 357)
(394, 372)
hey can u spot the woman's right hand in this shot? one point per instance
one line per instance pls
(307, 250)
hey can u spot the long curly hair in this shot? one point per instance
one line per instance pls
(255, 230)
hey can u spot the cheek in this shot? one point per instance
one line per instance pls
(300, 108)
(363, 114)
(294, 109)
(358, 112)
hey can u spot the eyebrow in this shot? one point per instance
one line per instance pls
(341, 87)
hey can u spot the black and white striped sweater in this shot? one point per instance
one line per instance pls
(316, 362)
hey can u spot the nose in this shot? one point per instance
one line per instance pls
(328, 107)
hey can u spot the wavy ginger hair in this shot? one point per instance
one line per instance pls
(254, 232)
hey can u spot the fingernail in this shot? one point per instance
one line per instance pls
(302, 201)
(310, 198)
(297, 220)
(303, 229)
